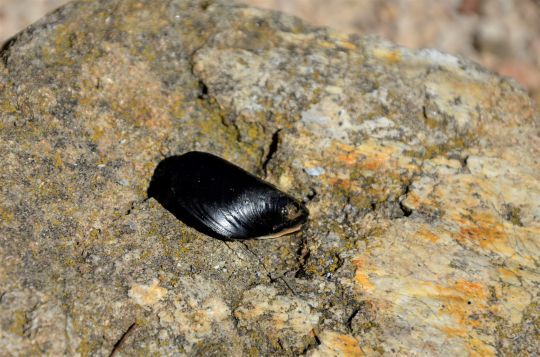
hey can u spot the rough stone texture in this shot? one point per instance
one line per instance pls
(421, 171)
(503, 35)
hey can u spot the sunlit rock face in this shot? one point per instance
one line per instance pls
(420, 171)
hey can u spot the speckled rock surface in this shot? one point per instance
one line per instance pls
(420, 170)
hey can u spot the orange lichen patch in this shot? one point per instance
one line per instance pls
(360, 276)
(343, 183)
(348, 158)
(485, 230)
(362, 279)
(341, 40)
(477, 348)
(347, 45)
(392, 56)
(336, 344)
(461, 292)
(461, 301)
(455, 332)
(371, 156)
(471, 289)
(461, 305)
(348, 345)
(508, 275)
(427, 234)
(458, 309)
(326, 44)
(413, 200)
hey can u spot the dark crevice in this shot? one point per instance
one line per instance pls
(235, 320)
(351, 318)
(287, 285)
(311, 195)
(271, 150)
(134, 205)
(312, 344)
(465, 163)
(406, 210)
(4, 50)
(345, 206)
(316, 337)
(233, 251)
(206, 4)
(204, 94)
(339, 263)
(122, 339)
(302, 255)
(203, 91)
(231, 123)
(202, 87)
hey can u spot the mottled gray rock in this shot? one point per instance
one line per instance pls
(420, 170)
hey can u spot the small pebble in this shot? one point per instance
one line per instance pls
(315, 171)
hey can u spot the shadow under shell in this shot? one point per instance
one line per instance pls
(222, 200)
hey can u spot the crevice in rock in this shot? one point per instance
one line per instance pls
(205, 96)
(339, 263)
(233, 251)
(134, 205)
(280, 344)
(287, 285)
(302, 255)
(272, 148)
(407, 189)
(231, 123)
(465, 163)
(235, 306)
(268, 273)
(424, 112)
(203, 90)
(313, 344)
(4, 50)
(123, 339)
(130, 209)
(406, 210)
(206, 4)
(349, 321)
(316, 337)
(311, 195)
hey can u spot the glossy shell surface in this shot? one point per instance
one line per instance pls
(222, 200)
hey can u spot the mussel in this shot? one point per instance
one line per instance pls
(222, 200)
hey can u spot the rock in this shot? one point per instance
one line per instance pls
(423, 236)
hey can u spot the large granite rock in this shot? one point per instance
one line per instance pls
(421, 171)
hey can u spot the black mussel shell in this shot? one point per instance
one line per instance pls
(222, 200)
